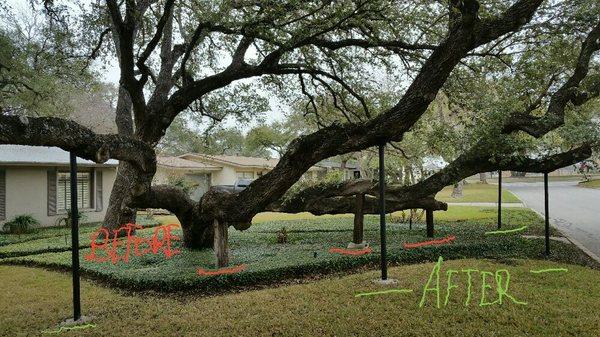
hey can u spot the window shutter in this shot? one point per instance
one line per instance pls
(99, 191)
(51, 192)
(2, 195)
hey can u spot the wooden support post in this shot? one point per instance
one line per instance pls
(410, 218)
(359, 217)
(221, 243)
(429, 219)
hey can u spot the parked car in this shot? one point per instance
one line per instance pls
(240, 185)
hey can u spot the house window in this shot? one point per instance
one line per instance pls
(245, 175)
(84, 188)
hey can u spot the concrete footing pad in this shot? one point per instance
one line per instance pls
(362, 245)
(388, 282)
(83, 320)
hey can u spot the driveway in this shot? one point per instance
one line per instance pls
(573, 210)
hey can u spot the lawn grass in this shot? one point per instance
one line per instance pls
(476, 192)
(306, 253)
(595, 183)
(262, 217)
(558, 304)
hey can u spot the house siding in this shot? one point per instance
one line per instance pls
(27, 192)
(226, 176)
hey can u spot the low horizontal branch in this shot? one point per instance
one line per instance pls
(73, 137)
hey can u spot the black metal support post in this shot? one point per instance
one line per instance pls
(499, 199)
(382, 211)
(546, 214)
(75, 239)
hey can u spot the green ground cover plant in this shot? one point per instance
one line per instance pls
(51, 239)
(306, 251)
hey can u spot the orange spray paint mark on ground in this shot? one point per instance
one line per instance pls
(354, 252)
(445, 240)
(221, 271)
(109, 247)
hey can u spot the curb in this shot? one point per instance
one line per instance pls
(572, 240)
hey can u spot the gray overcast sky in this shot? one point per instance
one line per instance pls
(110, 73)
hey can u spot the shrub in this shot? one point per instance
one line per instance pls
(21, 224)
(282, 236)
(187, 185)
(66, 220)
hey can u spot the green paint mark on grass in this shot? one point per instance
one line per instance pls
(384, 292)
(70, 328)
(549, 270)
(507, 231)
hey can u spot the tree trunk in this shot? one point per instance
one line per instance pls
(483, 178)
(197, 233)
(116, 214)
(457, 191)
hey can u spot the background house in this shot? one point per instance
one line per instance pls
(35, 181)
(204, 171)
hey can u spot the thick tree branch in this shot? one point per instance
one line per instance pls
(567, 93)
(337, 198)
(70, 136)
(141, 62)
(389, 126)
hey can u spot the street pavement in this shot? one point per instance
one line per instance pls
(573, 210)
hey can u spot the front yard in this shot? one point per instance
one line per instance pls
(558, 304)
(477, 192)
(307, 250)
(595, 183)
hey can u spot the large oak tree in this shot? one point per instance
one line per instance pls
(204, 57)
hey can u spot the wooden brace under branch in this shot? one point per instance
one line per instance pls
(221, 246)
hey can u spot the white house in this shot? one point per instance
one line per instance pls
(210, 170)
(35, 181)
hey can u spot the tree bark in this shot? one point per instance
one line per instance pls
(221, 243)
(457, 190)
(483, 178)
(117, 213)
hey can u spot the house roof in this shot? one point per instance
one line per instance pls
(239, 161)
(181, 163)
(333, 164)
(42, 155)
